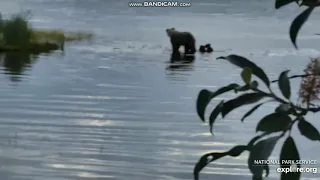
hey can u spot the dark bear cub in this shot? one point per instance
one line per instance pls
(208, 48)
(202, 49)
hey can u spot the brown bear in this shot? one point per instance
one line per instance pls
(178, 39)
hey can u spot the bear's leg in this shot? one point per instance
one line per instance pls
(189, 49)
(175, 48)
(175, 57)
(192, 47)
(193, 50)
(186, 49)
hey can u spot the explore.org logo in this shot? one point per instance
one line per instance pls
(292, 169)
(290, 166)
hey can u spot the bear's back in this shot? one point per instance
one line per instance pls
(183, 37)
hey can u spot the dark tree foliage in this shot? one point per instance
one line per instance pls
(276, 125)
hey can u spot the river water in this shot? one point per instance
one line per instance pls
(114, 108)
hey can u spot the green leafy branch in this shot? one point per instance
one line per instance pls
(281, 121)
(298, 76)
(299, 21)
(271, 127)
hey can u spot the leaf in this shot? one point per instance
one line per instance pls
(224, 89)
(251, 111)
(283, 109)
(284, 84)
(289, 151)
(308, 130)
(205, 97)
(254, 84)
(241, 100)
(290, 175)
(203, 100)
(209, 157)
(246, 75)
(243, 62)
(310, 3)
(255, 177)
(242, 88)
(204, 161)
(216, 111)
(237, 150)
(274, 122)
(280, 3)
(261, 151)
(266, 167)
(297, 23)
(253, 140)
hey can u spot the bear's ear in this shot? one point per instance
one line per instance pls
(173, 29)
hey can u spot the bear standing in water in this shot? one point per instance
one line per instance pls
(178, 39)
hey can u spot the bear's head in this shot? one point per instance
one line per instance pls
(170, 31)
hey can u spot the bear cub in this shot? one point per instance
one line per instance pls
(209, 48)
(202, 49)
(206, 48)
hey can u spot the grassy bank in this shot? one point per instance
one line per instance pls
(39, 35)
(16, 34)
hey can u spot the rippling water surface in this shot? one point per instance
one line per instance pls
(116, 109)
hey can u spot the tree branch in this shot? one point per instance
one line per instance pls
(314, 110)
(298, 76)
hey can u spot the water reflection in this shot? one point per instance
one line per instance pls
(16, 63)
(181, 62)
(179, 66)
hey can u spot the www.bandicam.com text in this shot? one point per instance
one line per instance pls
(159, 4)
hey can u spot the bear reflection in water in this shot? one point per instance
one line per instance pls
(180, 61)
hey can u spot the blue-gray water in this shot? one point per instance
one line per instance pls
(114, 109)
